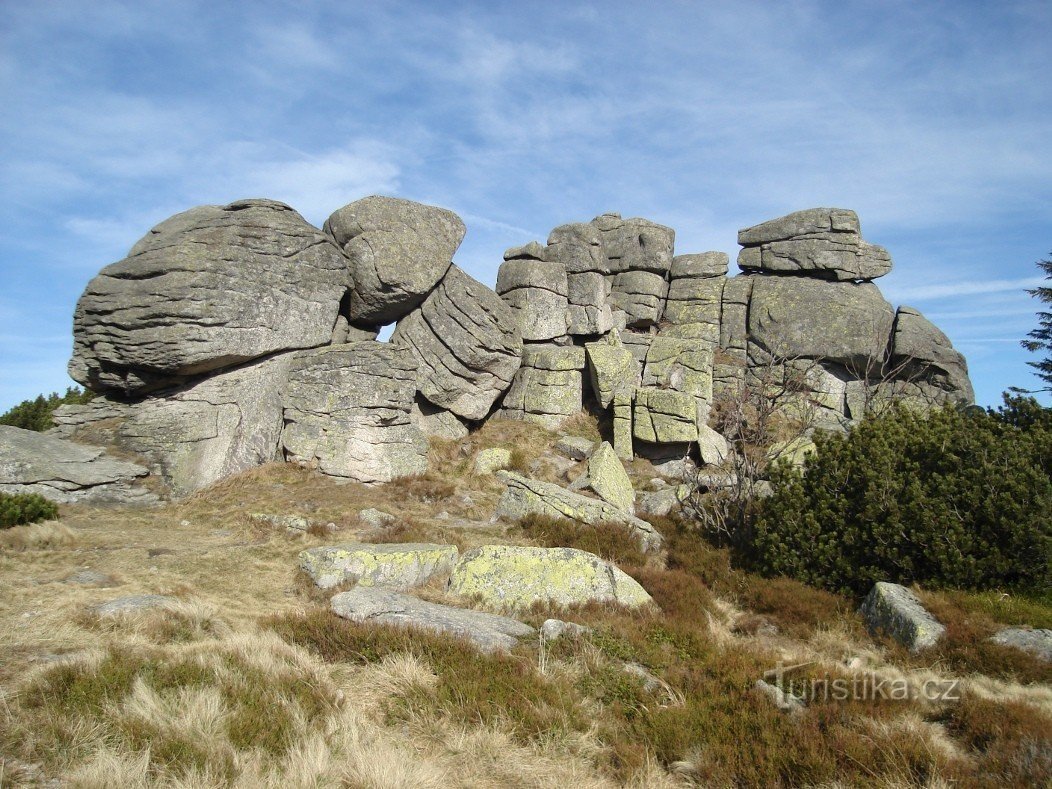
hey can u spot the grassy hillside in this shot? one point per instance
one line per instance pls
(248, 680)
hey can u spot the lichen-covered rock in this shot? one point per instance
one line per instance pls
(526, 496)
(695, 300)
(516, 577)
(894, 610)
(544, 396)
(634, 244)
(467, 345)
(837, 322)
(824, 242)
(607, 477)
(924, 356)
(195, 435)
(577, 247)
(1037, 642)
(712, 446)
(132, 604)
(64, 472)
(588, 312)
(487, 632)
(536, 292)
(623, 424)
(663, 502)
(699, 265)
(611, 368)
(396, 566)
(490, 460)
(575, 447)
(683, 364)
(641, 295)
(347, 409)
(207, 289)
(397, 250)
(664, 416)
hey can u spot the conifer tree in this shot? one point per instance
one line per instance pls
(1041, 337)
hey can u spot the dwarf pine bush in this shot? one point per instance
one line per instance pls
(36, 414)
(947, 498)
(19, 508)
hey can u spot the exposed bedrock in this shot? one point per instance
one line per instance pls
(209, 288)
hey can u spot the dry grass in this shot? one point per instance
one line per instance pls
(245, 680)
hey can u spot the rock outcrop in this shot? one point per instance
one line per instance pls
(395, 566)
(65, 472)
(238, 335)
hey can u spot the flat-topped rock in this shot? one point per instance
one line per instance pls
(395, 565)
(516, 577)
(65, 472)
(895, 611)
(207, 289)
(397, 251)
(525, 496)
(370, 605)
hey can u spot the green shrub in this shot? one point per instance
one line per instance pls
(948, 499)
(19, 508)
(36, 414)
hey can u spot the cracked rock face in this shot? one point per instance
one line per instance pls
(397, 251)
(65, 472)
(197, 434)
(347, 411)
(207, 289)
(466, 343)
(536, 291)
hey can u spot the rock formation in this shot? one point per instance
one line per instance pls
(237, 335)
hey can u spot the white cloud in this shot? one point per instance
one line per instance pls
(957, 289)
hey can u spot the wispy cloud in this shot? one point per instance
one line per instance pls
(963, 288)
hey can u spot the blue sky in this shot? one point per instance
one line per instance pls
(932, 120)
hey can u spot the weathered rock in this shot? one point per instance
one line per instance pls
(516, 577)
(663, 502)
(923, 355)
(347, 410)
(607, 477)
(786, 702)
(1038, 642)
(576, 247)
(536, 292)
(526, 496)
(207, 289)
(554, 629)
(131, 604)
(531, 251)
(64, 472)
(588, 312)
(664, 416)
(493, 459)
(641, 295)
(837, 322)
(397, 250)
(704, 264)
(550, 357)
(396, 566)
(375, 519)
(575, 447)
(623, 424)
(488, 632)
(894, 610)
(544, 396)
(465, 341)
(824, 242)
(291, 523)
(91, 578)
(634, 244)
(611, 368)
(195, 435)
(683, 364)
(435, 422)
(695, 300)
(711, 445)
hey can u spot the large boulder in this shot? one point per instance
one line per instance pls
(924, 356)
(371, 605)
(207, 289)
(396, 566)
(516, 577)
(634, 244)
(664, 416)
(611, 368)
(466, 343)
(822, 242)
(195, 435)
(525, 496)
(398, 251)
(893, 610)
(347, 409)
(548, 387)
(65, 472)
(836, 322)
(608, 478)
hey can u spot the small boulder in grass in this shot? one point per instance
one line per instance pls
(1037, 642)
(490, 460)
(894, 610)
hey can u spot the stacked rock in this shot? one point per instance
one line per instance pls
(232, 336)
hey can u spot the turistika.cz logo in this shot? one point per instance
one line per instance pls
(861, 687)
